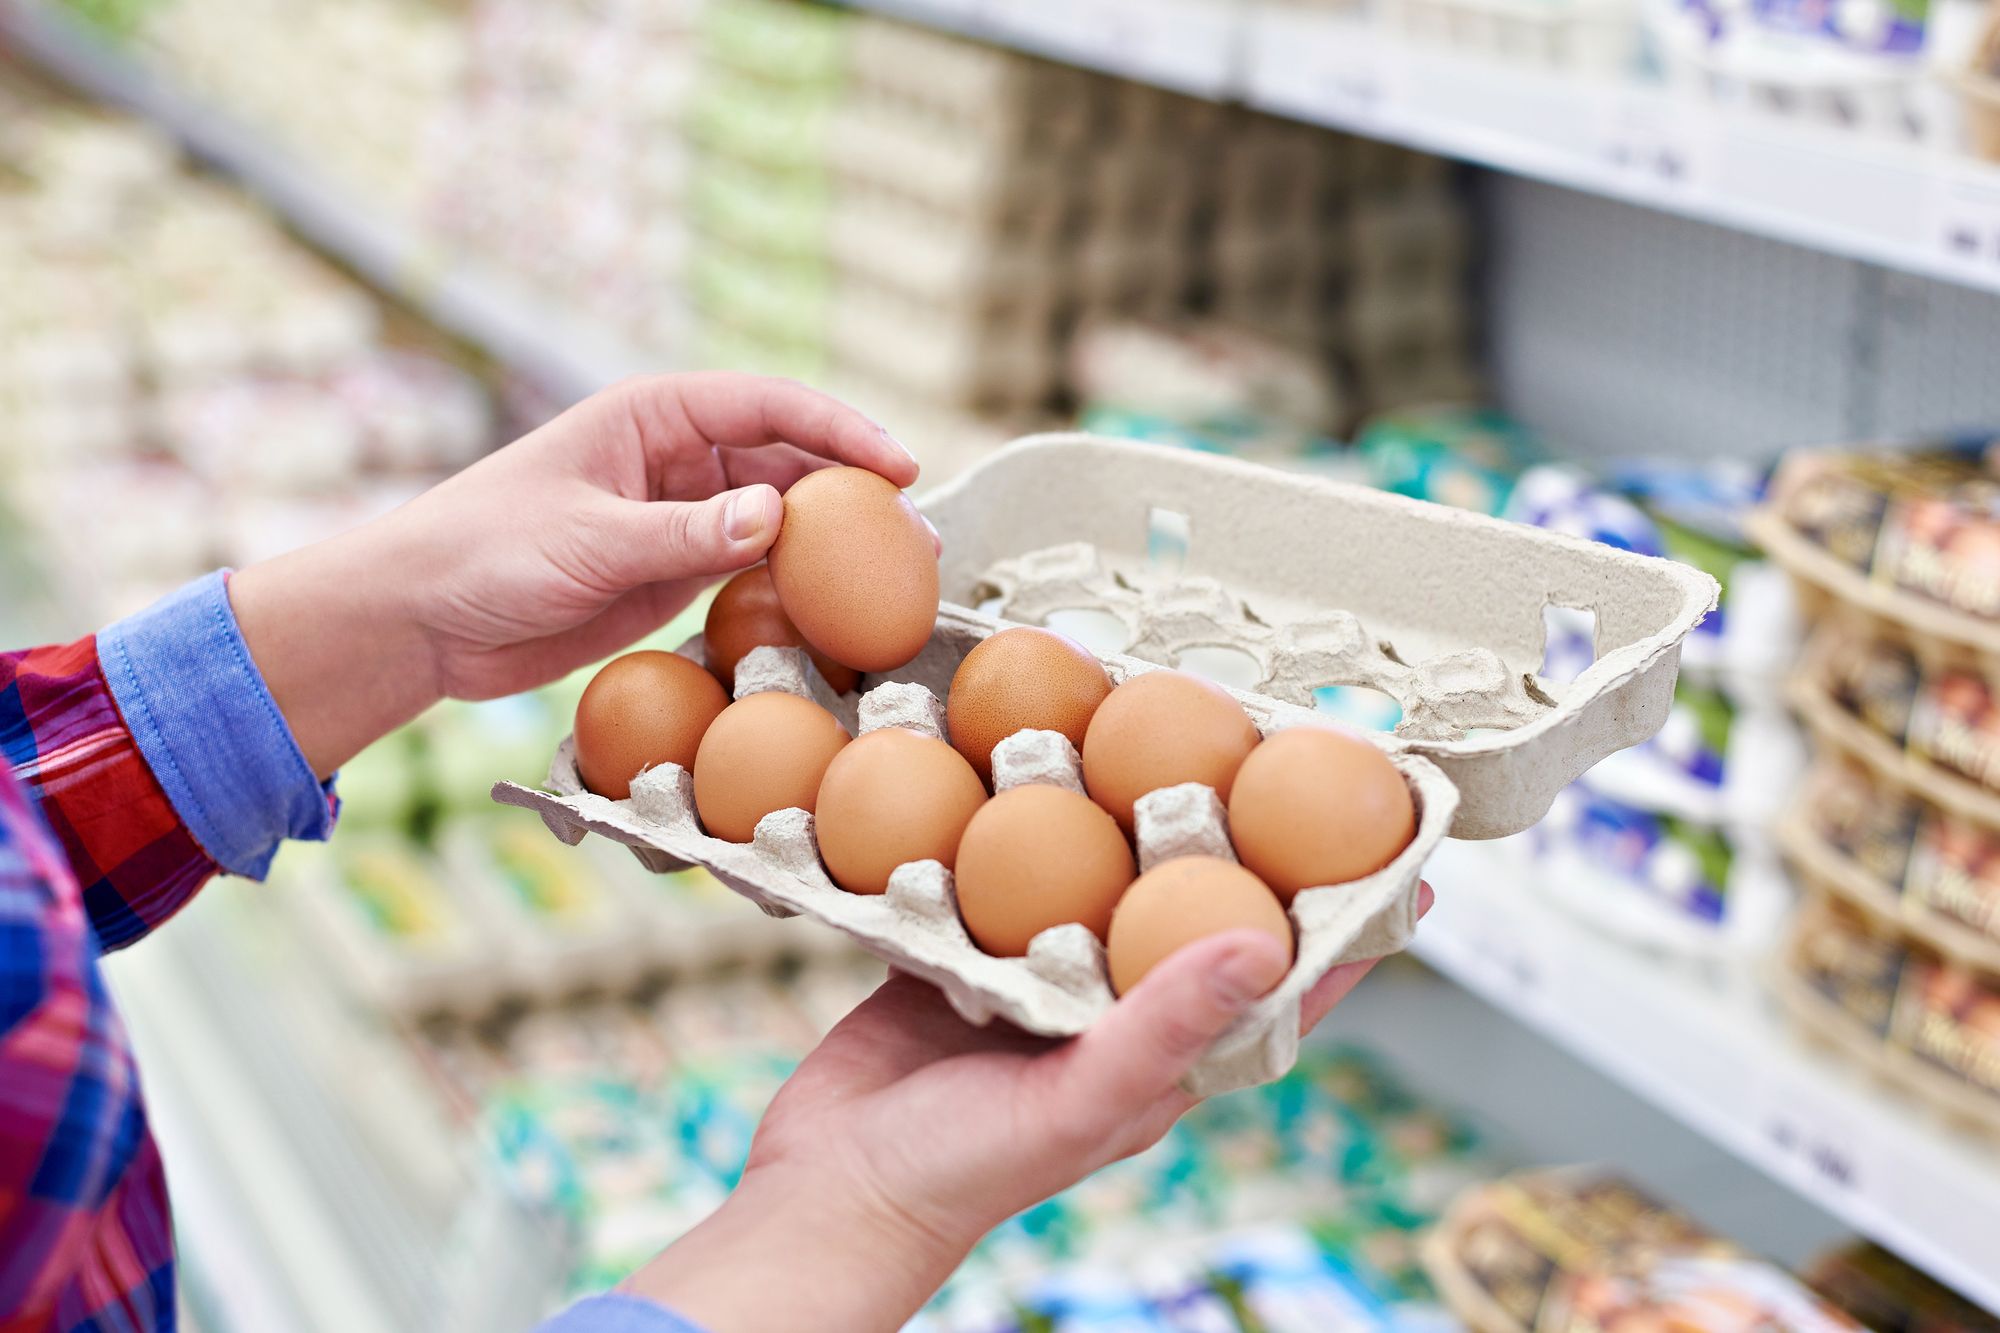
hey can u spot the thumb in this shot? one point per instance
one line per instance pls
(1145, 1044)
(673, 539)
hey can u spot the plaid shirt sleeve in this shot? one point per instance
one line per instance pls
(154, 756)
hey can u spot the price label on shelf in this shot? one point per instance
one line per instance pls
(1809, 1134)
(1645, 142)
(1964, 221)
(1351, 76)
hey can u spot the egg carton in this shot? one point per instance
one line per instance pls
(1061, 985)
(1443, 610)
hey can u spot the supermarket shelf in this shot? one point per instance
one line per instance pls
(1719, 1060)
(1191, 46)
(565, 358)
(1920, 210)
(292, 1220)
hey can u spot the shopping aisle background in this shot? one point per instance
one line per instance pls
(472, 1072)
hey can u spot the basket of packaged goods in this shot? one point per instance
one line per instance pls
(911, 758)
(1925, 1022)
(1582, 1248)
(1883, 848)
(1909, 536)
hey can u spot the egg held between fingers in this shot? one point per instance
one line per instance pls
(856, 568)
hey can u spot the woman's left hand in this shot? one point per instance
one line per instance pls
(558, 550)
(909, 1133)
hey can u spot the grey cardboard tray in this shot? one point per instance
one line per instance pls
(1319, 583)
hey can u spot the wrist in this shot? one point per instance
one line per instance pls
(789, 1250)
(328, 628)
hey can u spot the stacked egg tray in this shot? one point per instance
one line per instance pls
(1440, 608)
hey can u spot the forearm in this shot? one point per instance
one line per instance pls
(779, 1257)
(342, 656)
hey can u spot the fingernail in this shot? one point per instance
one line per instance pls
(901, 448)
(1247, 973)
(748, 513)
(934, 534)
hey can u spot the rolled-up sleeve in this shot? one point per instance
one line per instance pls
(616, 1312)
(202, 717)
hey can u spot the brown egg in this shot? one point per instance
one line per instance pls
(856, 569)
(1037, 856)
(1313, 805)
(763, 753)
(744, 615)
(891, 797)
(1160, 729)
(1183, 900)
(1021, 678)
(640, 711)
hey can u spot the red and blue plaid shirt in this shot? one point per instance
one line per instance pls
(138, 764)
(96, 850)
(83, 1202)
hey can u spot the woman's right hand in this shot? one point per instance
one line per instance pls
(909, 1133)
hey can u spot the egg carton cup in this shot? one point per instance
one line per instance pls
(1061, 986)
(1443, 610)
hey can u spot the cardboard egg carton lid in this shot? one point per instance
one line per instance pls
(1445, 605)
(1060, 987)
(1320, 582)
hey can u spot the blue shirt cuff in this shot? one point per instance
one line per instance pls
(199, 710)
(616, 1312)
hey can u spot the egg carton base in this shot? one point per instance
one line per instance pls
(1061, 986)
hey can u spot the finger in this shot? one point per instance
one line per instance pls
(659, 541)
(904, 1026)
(737, 411)
(1334, 987)
(775, 465)
(1142, 1047)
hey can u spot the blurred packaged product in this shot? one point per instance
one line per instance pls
(368, 87)
(1920, 522)
(1908, 863)
(1584, 1249)
(1469, 458)
(1978, 84)
(1599, 37)
(1661, 882)
(1203, 384)
(1877, 1289)
(1860, 68)
(179, 366)
(1927, 1024)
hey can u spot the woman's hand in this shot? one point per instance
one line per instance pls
(908, 1134)
(558, 550)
